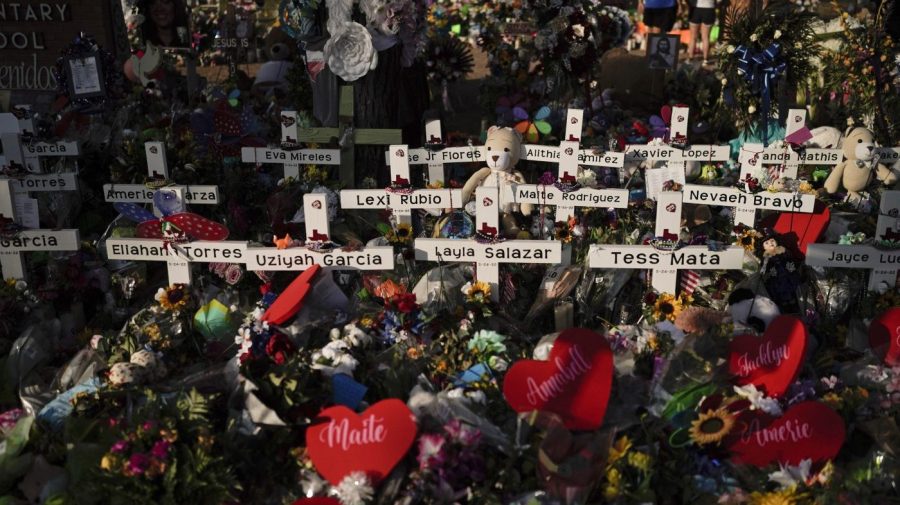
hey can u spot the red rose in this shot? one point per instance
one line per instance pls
(405, 302)
(279, 348)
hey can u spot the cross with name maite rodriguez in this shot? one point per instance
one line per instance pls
(157, 177)
(290, 155)
(319, 248)
(22, 151)
(884, 262)
(16, 240)
(667, 258)
(488, 249)
(400, 196)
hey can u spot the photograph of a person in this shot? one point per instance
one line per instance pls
(662, 51)
(166, 22)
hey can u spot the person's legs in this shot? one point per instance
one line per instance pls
(692, 46)
(705, 29)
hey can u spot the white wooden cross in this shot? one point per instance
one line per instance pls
(12, 245)
(488, 250)
(746, 204)
(434, 135)
(403, 200)
(290, 156)
(319, 248)
(666, 263)
(884, 264)
(20, 148)
(158, 171)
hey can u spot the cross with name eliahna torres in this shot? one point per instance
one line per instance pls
(318, 248)
(881, 257)
(488, 249)
(290, 154)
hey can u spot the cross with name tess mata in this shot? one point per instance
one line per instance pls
(289, 155)
(487, 250)
(884, 264)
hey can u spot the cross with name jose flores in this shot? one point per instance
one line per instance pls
(664, 262)
(487, 250)
(158, 171)
(350, 137)
(290, 156)
(400, 197)
(884, 264)
(319, 248)
(13, 243)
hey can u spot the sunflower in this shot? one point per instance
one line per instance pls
(562, 232)
(782, 497)
(478, 291)
(747, 239)
(174, 297)
(711, 426)
(668, 306)
(401, 235)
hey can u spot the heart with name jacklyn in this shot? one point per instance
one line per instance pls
(771, 362)
(808, 430)
(372, 442)
(574, 383)
(884, 336)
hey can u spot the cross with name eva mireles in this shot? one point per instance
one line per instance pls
(290, 155)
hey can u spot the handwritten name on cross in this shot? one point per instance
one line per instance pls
(158, 171)
(350, 137)
(665, 263)
(883, 264)
(14, 242)
(290, 156)
(400, 197)
(319, 248)
(487, 250)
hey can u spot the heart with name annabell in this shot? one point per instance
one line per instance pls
(798, 230)
(770, 362)
(372, 442)
(808, 430)
(884, 336)
(575, 381)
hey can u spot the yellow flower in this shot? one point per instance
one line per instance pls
(639, 460)
(366, 322)
(152, 331)
(782, 497)
(619, 449)
(711, 426)
(413, 353)
(108, 462)
(435, 185)
(833, 400)
(173, 298)
(11, 282)
(479, 291)
(613, 484)
(668, 306)
(747, 239)
(401, 235)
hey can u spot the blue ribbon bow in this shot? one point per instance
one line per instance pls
(761, 71)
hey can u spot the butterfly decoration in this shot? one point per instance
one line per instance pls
(176, 226)
(532, 129)
(507, 104)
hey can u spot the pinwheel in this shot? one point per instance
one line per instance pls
(659, 125)
(175, 226)
(531, 129)
(507, 104)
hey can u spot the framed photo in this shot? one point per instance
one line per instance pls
(85, 74)
(166, 23)
(662, 51)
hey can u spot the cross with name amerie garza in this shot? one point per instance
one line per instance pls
(487, 250)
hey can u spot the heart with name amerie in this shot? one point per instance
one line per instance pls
(574, 383)
(770, 362)
(808, 430)
(884, 336)
(372, 442)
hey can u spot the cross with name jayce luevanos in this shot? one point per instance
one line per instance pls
(400, 197)
(487, 250)
(666, 260)
(882, 263)
(290, 155)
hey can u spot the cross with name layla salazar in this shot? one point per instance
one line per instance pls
(488, 249)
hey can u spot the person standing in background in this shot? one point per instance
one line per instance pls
(659, 15)
(165, 22)
(701, 20)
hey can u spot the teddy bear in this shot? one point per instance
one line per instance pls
(859, 166)
(502, 149)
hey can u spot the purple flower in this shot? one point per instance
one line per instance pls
(463, 433)
(431, 451)
(120, 446)
(546, 179)
(138, 463)
(148, 425)
(160, 449)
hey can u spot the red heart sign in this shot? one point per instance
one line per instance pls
(770, 362)
(291, 299)
(884, 336)
(808, 430)
(372, 442)
(799, 230)
(574, 383)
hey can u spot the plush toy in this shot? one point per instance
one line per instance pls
(751, 310)
(859, 166)
(502, 148)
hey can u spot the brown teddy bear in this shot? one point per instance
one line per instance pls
(860, 165)
(502, 149)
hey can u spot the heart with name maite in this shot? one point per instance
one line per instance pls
(574, 383)
(372, 442)
(771, 362)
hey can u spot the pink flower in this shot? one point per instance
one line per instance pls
(120, 446)
(148, 425)
(431, 453)
(160, 449)
(138, 463)
(233, 274)
(218, 268)
(463, 433)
